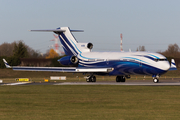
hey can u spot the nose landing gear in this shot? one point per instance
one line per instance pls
(155, 78)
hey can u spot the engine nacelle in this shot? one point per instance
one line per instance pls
(69, 60)
(90, 46)
(85, 47)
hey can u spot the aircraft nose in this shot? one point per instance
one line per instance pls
(166, 66)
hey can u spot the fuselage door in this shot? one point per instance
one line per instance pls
(140, 62)
(107, 61)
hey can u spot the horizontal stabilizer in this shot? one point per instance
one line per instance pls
(57, 31)
(173, 65)
(49, 30)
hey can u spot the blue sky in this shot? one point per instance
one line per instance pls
(152, 23)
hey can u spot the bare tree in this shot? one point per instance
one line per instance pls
(172, 51)
(141, 48)
(6, 49)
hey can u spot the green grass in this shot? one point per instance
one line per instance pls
(89, 102)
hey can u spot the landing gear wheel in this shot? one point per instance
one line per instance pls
(155, 80)
(93, 79)
(123, 79)
(120, 79)
(87, 80)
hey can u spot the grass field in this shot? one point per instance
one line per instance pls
(86, 102)
(89, 102)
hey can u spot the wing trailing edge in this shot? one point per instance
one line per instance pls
(63, 69)
(58, 69)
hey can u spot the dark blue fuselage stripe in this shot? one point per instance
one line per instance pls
(149, 57)
(67, 41)
(126, 67)
(66, 49)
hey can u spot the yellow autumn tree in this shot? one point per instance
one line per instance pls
(52, 54)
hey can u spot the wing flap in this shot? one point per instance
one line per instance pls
(58, 69)
(94, 70)
(49, 69)
(63, 69)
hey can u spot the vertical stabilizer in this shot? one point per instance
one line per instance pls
(6, 64)
(68, 42)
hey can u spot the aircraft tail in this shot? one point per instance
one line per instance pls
(173, 65)
(68, 41)
(6, 64)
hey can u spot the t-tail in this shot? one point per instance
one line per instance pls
(68, 41)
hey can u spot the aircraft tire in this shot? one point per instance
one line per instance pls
(93, 79)
(123, 79)
(87, 80)
(118, 79)
(155, 80)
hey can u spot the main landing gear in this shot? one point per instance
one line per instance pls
(91, 78)
(120, 79)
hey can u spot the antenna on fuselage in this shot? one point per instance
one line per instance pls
(121, 43)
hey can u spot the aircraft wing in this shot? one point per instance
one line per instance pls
(58, 69)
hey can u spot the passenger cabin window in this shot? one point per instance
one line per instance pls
(91, 59)
(160, 60)
(100, 60)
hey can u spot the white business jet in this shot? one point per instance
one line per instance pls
(120, 64)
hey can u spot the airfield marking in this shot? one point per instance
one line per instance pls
(19, 83)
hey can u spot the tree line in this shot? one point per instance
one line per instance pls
(173, 51)
(12, 52)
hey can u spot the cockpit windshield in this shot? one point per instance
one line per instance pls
(160, 59)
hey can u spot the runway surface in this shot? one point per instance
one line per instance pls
(128, 82)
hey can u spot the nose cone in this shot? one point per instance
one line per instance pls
(166, 66)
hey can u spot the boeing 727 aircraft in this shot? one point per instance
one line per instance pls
(120, 64)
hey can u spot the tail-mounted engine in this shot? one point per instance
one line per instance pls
(90, 46)
(69, 60)
(85, 47)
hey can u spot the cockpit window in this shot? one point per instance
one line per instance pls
(160, 60)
